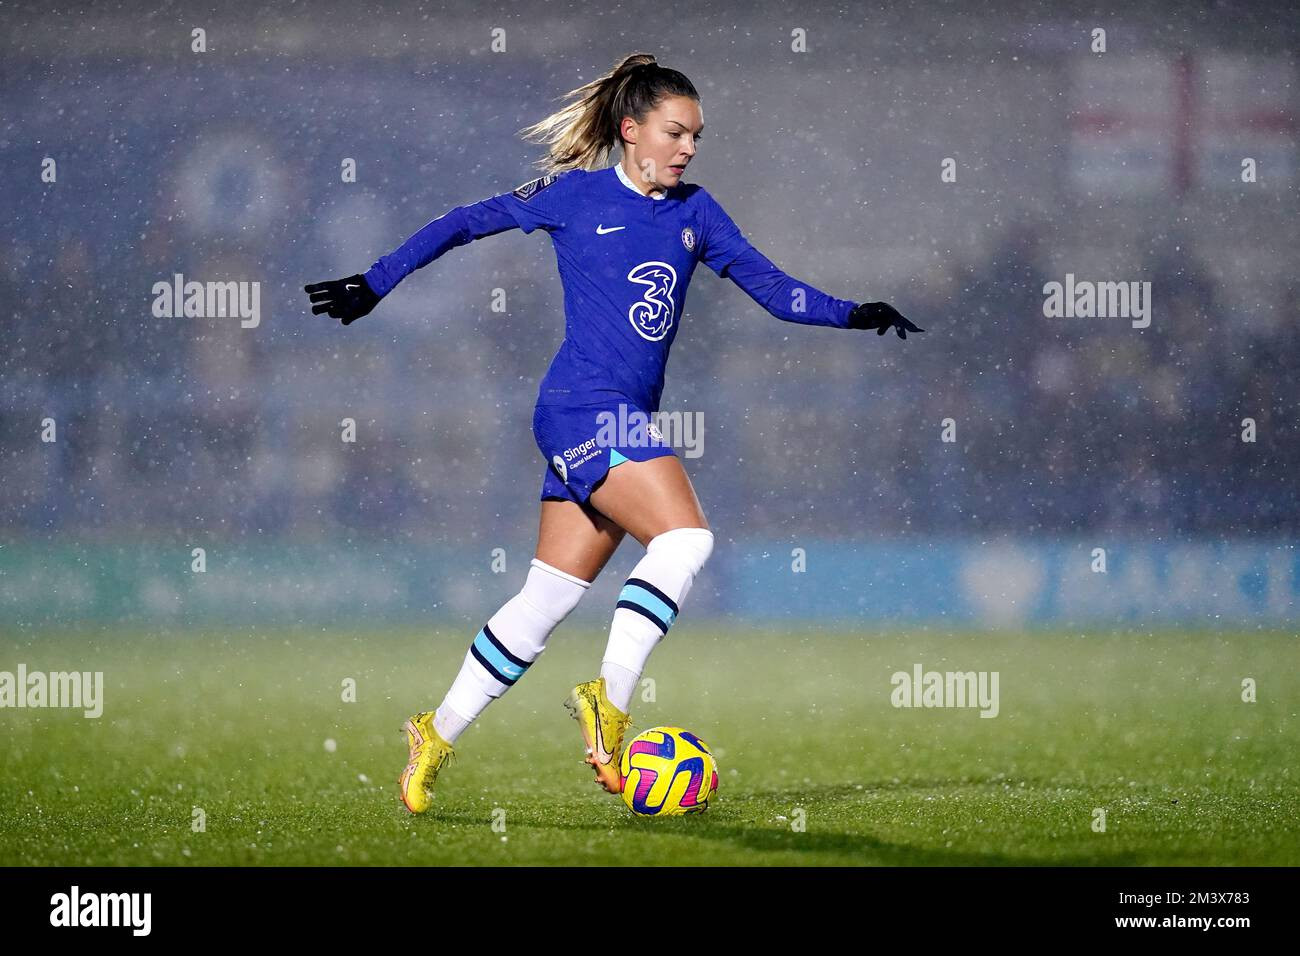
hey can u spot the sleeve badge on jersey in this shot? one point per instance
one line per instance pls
(528, 190)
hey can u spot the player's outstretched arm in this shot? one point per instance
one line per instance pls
(534, 205)
(793, 301)
(351, 298)
(730, 254)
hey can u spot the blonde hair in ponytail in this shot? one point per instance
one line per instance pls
(582, 134)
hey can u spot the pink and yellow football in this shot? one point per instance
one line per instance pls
(667, 772)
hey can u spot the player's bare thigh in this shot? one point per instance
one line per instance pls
(647, 498)
(576, 538)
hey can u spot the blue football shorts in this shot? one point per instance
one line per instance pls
(582, 442)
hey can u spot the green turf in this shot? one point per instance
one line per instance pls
(1149, 727)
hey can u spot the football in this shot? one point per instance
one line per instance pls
(667, 772)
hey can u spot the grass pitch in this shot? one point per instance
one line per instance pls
(1151, 728)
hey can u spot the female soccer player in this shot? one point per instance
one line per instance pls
(627, 239)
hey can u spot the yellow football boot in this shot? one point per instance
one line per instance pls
(429, 754)
(603, 726)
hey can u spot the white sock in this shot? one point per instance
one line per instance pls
(620, 684)
(648, 605)
(503, 650)
(448, 723)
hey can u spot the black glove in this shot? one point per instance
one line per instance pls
(347, 299)
(882, 317)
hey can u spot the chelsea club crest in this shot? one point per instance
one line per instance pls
(688, 239)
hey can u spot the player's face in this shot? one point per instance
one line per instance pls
(662, 146)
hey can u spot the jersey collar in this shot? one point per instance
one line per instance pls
(657, 194)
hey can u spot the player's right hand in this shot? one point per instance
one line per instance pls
(346, 299)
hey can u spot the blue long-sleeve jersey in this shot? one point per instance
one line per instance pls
(625, 262)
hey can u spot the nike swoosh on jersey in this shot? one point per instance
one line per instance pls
(601, 230)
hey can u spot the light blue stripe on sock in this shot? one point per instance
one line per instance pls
(639, 595)
(507, 667)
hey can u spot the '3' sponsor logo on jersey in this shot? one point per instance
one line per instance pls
(652, 314)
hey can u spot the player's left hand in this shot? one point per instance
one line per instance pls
(882, 317)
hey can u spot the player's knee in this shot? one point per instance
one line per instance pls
(552, 592)
(691, 545)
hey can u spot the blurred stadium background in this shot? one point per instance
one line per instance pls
(1072, 434)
